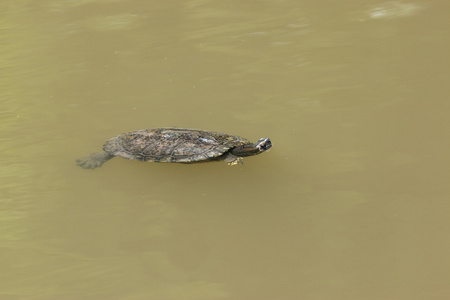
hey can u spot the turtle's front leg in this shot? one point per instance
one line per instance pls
(232, 160)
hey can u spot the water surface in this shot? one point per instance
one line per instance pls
(350, 203)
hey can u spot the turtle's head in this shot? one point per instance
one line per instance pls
(252, 149)
(263, 144)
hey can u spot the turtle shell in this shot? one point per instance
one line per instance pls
(172, 145)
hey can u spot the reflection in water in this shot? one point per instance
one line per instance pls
(351, 204)
(393, 9)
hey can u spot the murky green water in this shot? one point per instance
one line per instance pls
(352, 201)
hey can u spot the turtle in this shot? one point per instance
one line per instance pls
(176, 145)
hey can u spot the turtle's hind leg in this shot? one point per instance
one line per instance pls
(94, 160)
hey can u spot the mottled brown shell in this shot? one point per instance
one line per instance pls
(172, 145)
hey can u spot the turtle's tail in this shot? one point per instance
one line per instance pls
(94, 160)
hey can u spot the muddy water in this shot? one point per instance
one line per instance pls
(351, 202)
